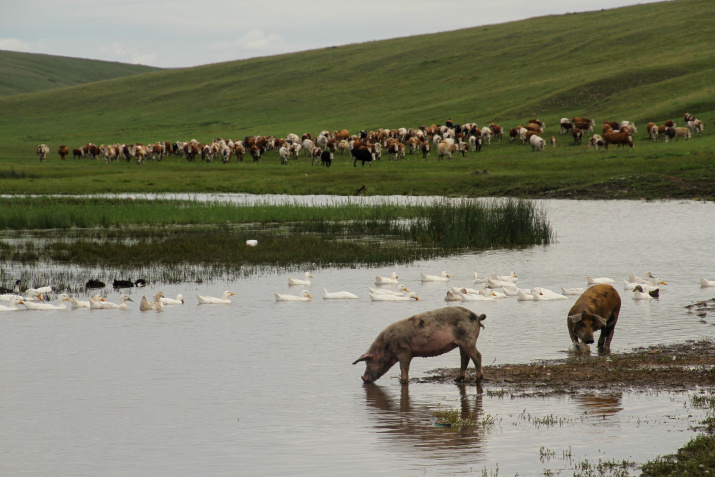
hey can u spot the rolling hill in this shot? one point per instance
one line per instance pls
(642, 63)
(30, 73)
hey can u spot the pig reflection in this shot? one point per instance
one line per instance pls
(426, 334)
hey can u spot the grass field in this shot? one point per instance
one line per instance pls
(639, 63)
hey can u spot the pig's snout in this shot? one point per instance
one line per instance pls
(366, 380)
(588, 341)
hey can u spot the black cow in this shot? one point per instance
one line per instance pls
(326, 158)
(361, 154)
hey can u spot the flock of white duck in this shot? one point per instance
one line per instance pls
(488, 288)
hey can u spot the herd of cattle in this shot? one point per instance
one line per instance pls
(368, 146)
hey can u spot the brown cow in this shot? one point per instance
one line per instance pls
(613, 124)
(342, 134)
(596, 309)
(426, 334)
(63, 151)
(577, 135)
(619, 138)
(77, 153)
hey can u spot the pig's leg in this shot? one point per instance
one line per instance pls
(405, 368)
(466, 354)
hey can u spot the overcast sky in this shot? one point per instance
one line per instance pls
(179, 33)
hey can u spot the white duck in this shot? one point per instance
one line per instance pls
(544, 294)
(505, 278)
(304, 296)
(706, 283)
(647, 279)
(341, 295)
(510, 291)
(84, 303)
(442, 277)
(12, 304)
(475, 297)
(108, 305)
(572, 291)
(478, 279)
(179, 300)
(146, 305)
(41, 290)
(223, 300)
(523, 296)
(385, 291)
(630, 286)
(499, 283)
(638, 294)
(298, 281)
(49, 306)
(492, 293)
(600, 281)
(474, 291)
(6, 297)
(382, 297)
(391, 280)
(453, 296)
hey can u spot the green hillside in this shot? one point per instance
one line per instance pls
(642, 63)
(30, 73)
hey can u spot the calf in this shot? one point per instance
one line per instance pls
(577, 135)
(326, 158)
(537, 143)
(361, 154)
(426, 334)
(596, 309)
(63, 151)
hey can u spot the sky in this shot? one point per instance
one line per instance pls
(185, 33)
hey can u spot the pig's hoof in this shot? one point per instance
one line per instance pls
(459, 379)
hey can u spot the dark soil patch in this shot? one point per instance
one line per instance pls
(675, 367)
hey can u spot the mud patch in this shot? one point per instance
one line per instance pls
(677, 367)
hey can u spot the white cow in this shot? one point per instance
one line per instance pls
(42, 151)
(537, 143)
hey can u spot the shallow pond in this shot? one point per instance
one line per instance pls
(265, 388)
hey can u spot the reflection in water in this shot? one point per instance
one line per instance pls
(600, 405)
(408, 424)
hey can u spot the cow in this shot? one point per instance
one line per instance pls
(326, 158)
(577, 135)
(668, 133)
(426, 334)
(595, 142)
(315, 156)
(596, 309)
(497, 131)
(584, 124)
(669, 124)
(696, 126)
(652, 129)
(613, 124)
(513, 134)
(446, 149)
(682, 132)
(426, 149)
(537, 143)
(566, 126)
(342, 134)
(77, 154)
(240, 151)
(362, 154)
(475, 143)
(343, 146)
(42, 151)
(256, 153)
(553, 141)
(284, 154)
(63, 151)
(618, 138)
(225, 152)
(687, 117)
(487, 135)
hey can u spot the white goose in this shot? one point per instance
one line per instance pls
(473, 291)
(146, 305)
(442, 277)
(505, 278)
(385, 291)
(179, 300)
(523, 296)
(391, 280)
(304, 296)
(381, 297)
(647, 279)
(84, 303)
(630, 286)
(12, 304)
(341, 295)
(600, 281)
(108, 305)
(223, 300)
(706, 283)
(489, 292)
(499, 283)
(298, 281)
(49, 306)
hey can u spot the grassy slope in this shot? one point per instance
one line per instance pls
(30, 73)
(640, 63)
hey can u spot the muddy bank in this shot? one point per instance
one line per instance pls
(677, 367)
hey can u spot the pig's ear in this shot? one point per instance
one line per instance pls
(600, 320)
(364, 357)
(576, 318)
(482, 317)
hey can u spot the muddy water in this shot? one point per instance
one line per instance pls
(265, 388)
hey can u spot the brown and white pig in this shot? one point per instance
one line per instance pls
(596, 309)
(426, 334)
